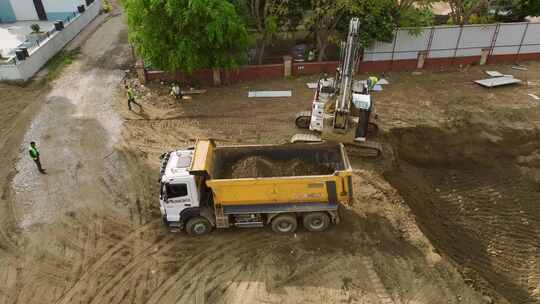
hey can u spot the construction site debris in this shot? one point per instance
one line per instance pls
(312, 85)
(377, 88)
(498, 81)
(521, 68)
(383, 81)
(494, 73)
(192, 92)
(270, 94)
(259, 166)
(534, 96)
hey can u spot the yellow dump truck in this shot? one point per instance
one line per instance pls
(253, 186)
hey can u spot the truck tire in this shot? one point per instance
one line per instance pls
(316, 221)
(284, 223)
(198, 226)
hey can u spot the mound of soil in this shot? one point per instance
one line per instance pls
(259, 166)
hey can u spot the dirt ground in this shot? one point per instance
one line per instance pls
(450, 213)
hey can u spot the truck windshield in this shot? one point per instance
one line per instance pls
(176, 190)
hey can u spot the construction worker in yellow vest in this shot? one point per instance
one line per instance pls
(34, 154)
(372, 81)
(131, 97)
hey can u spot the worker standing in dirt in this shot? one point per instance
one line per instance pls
(372, 81)
(176, 92)
(34, 154)
(131, 97)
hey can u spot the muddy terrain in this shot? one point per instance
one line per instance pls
(449, 214)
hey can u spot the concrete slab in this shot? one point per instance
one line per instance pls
(494, 73)
(270, 94)
(377, 88)
(498, 81)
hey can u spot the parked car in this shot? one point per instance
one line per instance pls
(299, 52)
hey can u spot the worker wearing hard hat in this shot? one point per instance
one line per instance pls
(372, 81)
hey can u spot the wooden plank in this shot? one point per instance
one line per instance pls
(270, 94)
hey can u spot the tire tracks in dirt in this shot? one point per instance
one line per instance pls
(122, 278)
(67, 297)
(198, 264)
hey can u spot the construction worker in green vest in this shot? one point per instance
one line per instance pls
(372, 81)
(131, 97)
(34, 154)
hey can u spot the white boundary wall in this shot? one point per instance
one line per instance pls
(61, 5)
(24, 70)
(456, 41)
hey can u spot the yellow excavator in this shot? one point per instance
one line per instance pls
(342, 109)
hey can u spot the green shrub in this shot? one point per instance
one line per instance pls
(106, 6)
(35, 28)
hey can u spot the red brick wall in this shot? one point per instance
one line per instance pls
(252, 72)
(269, 71)
(203, 76)
(400, 65)
(313, 68)
(513, 58)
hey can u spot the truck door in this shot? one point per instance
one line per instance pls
(178, 194)
(177, 198)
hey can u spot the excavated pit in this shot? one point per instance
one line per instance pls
(476, 195)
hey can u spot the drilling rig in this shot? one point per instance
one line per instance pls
(342, 109)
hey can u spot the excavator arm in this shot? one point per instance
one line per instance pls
(349, 59)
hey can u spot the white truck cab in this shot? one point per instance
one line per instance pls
(178, 187)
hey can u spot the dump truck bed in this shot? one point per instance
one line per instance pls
(280, 174)
(277, 161)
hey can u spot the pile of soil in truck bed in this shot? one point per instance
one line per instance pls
(260, 166)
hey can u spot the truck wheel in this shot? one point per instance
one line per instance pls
(198, 226)
(285, 223)
(316, 221)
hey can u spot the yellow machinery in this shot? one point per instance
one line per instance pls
(251, 186)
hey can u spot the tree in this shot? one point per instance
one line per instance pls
(329, 19)
(35, 28)
(273, 16)
(323, 21)
(462, 10)
(514, 10)
(187, 35)
(414, 13)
